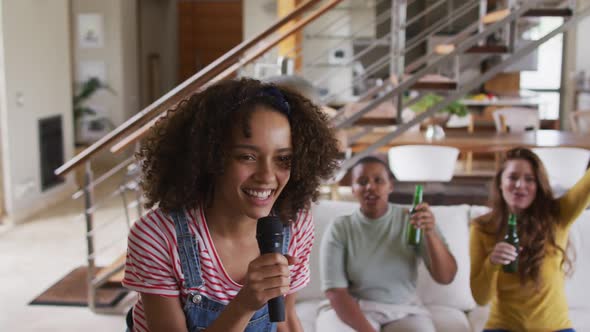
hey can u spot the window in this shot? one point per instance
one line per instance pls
(546, 80)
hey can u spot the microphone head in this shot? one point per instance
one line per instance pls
(268, 226)
(269, 234)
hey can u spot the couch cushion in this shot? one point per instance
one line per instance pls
(477, 211)
(576, 287)
(323, 214)
(580, 319)
(478, 317)
(453, 223)
(447, 319)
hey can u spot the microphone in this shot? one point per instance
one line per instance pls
(269, 233)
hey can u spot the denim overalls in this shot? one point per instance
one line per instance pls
(200, 311)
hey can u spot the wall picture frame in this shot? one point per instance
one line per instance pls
(90, 32)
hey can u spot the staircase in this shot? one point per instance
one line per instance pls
(406, 55)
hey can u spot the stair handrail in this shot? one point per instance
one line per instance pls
(179, 92)
(136, 135)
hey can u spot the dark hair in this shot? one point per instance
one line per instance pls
(186, 149)
(371, 160)
(536, 225)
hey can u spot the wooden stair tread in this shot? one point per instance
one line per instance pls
(375, 121)
(117, 278)
(495, 16)
(435, 82)
(488, 49)
(427, 84)
(554, 12)
(498, 15)
(448, 48)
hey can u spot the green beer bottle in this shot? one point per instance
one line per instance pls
(414, 235)
(512, 238)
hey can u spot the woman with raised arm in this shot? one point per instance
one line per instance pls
(532, 298)
(225, 157)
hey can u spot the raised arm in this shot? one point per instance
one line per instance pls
(439, 260)
(484, 274)
(575, 200)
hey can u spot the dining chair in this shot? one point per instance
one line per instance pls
(516, 119)
(423, 162)
(564, 165)
(580, 121)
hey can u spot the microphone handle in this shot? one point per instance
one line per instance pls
(276, 309)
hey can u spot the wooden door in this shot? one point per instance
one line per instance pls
(206, 30)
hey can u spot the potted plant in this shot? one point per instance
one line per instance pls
(430, 100)
(434, 124)
(86, 117)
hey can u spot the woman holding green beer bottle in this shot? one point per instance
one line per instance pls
(518, 250)
(368, 268)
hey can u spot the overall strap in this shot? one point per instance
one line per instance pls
(187, 250)
(286, 239)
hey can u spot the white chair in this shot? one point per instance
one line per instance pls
(423, 162)
(565, 166)
(516, 119)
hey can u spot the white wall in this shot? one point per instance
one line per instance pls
(119, 54)
(257, 16)
(34, 84)
(582, 45)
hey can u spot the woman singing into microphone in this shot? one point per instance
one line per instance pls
(226, 156)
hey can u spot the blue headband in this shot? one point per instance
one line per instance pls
(277, 95)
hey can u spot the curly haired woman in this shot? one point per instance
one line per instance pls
(236, 152)
(534, 298)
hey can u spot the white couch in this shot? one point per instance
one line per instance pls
(452, 306)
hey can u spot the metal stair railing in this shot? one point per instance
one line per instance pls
(407, 83)
(105, 233)
(192, 84)
(380, 63)
(106, 225)
(513, 58)
(415, 41)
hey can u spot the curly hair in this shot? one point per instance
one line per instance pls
(186, 150)
(536, 225)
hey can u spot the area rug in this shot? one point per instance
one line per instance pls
(72, 290)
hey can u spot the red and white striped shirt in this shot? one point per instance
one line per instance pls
(153, 265)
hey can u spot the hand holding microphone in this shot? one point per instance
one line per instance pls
(269, 233)
(268, 275)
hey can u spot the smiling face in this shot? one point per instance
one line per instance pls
(371, 185)
(518, 184)
(257, 167)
